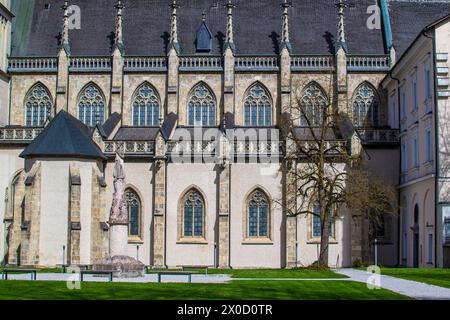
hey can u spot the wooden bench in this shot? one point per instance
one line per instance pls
(5, 272)
(184, 268)
(175, 273)
(109, 273)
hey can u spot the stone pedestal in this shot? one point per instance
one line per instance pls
(118, 240)
(126, 267)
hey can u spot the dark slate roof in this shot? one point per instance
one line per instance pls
(65, 136)
(306, 134)
(257, 26)
(410, 18)
(136, 134)
(111, 123)
(169, 125)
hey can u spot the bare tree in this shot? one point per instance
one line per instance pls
(323, 177)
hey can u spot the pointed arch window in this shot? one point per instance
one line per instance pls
(202, 107)
(134, 213)
(316, 230)
(313, 106)
(193, 215)
(257, 107)
(366, 106)
(145, 106)
(91, 106)
(258, 215)
(38, 106)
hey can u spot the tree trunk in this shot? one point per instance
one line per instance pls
(324, 238)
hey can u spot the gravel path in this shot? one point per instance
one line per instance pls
(413, 289)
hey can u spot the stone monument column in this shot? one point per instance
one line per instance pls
(118, 218)
(118, 260)
(224, 205)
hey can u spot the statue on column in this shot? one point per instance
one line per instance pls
(119, 209)
(118, 260)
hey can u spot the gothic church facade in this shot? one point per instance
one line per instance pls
(133, 77)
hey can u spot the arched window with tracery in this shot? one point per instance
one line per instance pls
(257, 107)
(38, 106)
(366, 106)
(145, 106)
(313, 106)
(202, 107)
(91, 106)
(316, 227)
(134, 213)
(258, 212)
(193, 215)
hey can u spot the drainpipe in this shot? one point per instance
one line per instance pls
(400, 165)
(436, 148)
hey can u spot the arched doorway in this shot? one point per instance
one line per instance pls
(416, 237)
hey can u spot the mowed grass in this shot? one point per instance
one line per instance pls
(40, 270)
(273, 273)
(236, 290)
(437, 277)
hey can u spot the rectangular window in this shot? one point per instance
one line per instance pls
(263, 221)
(198, 221)
(316, 227)
(404, 156)
(427, 83)
(253, 221)
(415, 152)
(402, 103)
(247, 116)
(428, 144)
(191, 114)
(188, 221)
(414, 93)
(430, 248)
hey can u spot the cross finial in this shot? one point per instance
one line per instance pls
(229, 41)
(65, 36)
(174, 25)
(285, 27)
(341, 5)
(119, 34)
(204, 15)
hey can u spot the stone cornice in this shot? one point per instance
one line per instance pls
(6, 13)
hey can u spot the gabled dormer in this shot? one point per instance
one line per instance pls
(203, 42)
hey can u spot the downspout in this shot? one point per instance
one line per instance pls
(399, 176)
(436, 148)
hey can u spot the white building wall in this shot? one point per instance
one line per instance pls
(245, 178)
(10, 165)
(54, 211)
(180, 178)
(85, 210)
(442, 36)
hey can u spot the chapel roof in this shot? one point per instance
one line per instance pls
(64, 136)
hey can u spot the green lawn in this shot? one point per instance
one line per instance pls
(40, 270)
(275, 273)
(438, 277)
(237, 290)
